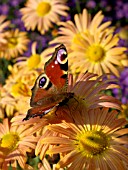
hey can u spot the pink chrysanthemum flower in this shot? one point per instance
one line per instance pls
(90, 140)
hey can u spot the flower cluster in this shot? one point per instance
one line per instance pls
(82, 124)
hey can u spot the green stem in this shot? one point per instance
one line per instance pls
(78, 6)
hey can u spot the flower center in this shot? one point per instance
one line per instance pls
(19, 89)
(9, 141)
(12, 42)
(92, 143)
(43, 8)
(95, 53)
(33, 61)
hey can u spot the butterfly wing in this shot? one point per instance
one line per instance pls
(53, 83)
(50, 87)
(44, 93)
(57, 68)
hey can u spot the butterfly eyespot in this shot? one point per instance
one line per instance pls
(44, 82)
(62, 56)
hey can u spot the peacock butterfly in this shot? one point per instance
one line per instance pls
(50, 87)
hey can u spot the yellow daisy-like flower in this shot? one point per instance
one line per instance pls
(16, 43)
(91, 140)
(83, 24)
(32, 62)
(99, 56)
(3, 25)
(15, 142)
(15, 94)
(42, 13)
(91, 45)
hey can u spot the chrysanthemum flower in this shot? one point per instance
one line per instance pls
(99, 55)
(91, 91)
(93, 140)
(15, 94)
(15, 142)
(91, 45)
(16, 43)
(87, 95)
(83, 24)
(32, 62)
(43, 13)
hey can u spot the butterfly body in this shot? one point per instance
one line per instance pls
(50, 88)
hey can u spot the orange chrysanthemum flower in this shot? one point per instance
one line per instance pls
(90, 140)
(15, 142)
(43, 13)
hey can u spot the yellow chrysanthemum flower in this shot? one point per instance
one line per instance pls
(43, 13)
(34, 61)
(16, 43)
(15, 142)
(16, 93)
(97, 55)
(90, 140)
(91, 45)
